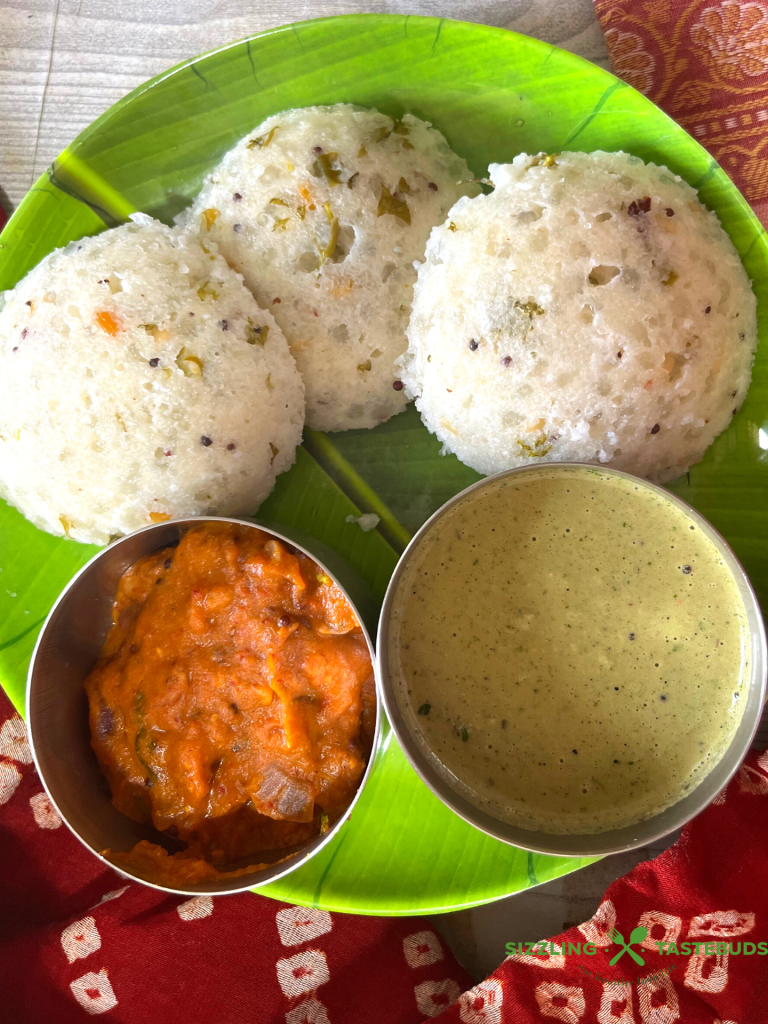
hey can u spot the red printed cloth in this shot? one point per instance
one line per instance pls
(77, 940)
(706, 64)
(708, 891)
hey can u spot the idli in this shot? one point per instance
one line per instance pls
(140, 381)
(590, 309)
(323, 211)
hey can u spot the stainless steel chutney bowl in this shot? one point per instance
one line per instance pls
(69, 646)
(614, 840)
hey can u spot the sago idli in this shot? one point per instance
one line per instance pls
(589, 309)
(323, 211)
(139, 381)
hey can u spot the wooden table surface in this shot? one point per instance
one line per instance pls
(63, 62)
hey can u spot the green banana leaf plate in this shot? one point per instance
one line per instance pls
(493, 94)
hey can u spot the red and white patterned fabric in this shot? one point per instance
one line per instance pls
(710, 887)
(78, 941)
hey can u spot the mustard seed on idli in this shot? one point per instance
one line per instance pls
(323, 211)
(589, 309)
(140, 381)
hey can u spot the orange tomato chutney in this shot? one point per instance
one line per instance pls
(233, 704)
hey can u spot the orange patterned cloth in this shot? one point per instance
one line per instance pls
(705, 62)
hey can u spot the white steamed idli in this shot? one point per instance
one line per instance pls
(140, 381)
(589, 309)
(323, 211)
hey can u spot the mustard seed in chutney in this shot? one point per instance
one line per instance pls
(580, 644)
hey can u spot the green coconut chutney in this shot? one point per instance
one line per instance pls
(571, 648)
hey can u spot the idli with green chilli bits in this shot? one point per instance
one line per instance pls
(323, 211)
(590, 309)
(140, 380)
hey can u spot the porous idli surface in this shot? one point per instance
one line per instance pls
(140, 381)
(323, 210)
(589, 309)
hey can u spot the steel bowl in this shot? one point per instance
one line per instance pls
(69, 646)
(614, 840)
